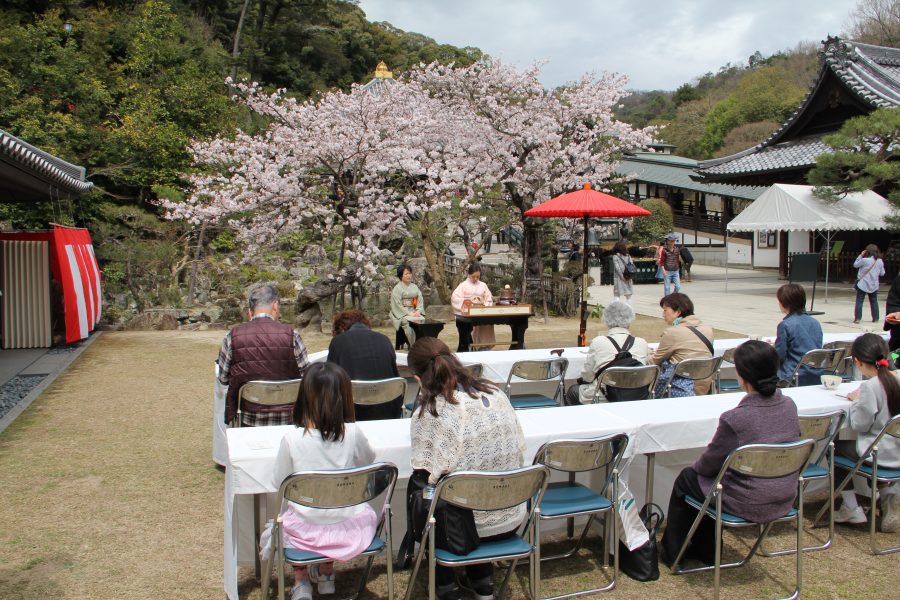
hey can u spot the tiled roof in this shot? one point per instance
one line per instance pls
(676, 171)
(41, 167)
(871, 73)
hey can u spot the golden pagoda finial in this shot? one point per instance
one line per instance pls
(381, 71)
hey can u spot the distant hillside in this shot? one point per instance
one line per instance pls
(730, 110)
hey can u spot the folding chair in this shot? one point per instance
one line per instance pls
(619, 384)
(378, 391)
(751, 460)
(340, 488)
(270, 394)
(537, 370)
(476, 369)
(569, 499)
(827, 360)
(695, 369)
(845, 369)
(486, 491)
(727, 384)
(823, 429)
(875, 475)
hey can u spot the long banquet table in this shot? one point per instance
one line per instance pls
(671, 426)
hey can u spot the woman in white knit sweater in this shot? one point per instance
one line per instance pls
(463, 422)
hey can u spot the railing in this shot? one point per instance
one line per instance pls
(840, 267)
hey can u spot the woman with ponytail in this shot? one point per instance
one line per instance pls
(763, 416)
(463, 422)
(872, 406)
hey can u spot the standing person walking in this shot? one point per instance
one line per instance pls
(687, 259)
(870, 268)
(670, 263)
(623, 277)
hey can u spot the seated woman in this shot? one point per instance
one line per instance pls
(326, 437)
(618, 317)
(687, 337)
(798, 333)
(406, 301)
(476, 293)
(365, 355)
(463, 422)
(872, 405)
(763, 416)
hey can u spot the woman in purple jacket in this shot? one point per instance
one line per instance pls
(763, 416)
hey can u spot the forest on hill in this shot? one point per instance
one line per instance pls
(123, 88)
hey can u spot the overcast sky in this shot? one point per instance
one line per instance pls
(658, 44)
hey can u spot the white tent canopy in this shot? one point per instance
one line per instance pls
(785, 207)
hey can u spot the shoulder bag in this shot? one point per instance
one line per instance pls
(863, 276)
(642, 563)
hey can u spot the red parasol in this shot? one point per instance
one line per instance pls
(584, 204)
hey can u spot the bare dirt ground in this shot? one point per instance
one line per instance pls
(108, 491)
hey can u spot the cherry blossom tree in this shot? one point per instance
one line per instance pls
(546, 142)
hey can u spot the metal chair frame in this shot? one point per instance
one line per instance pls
(695, 369)
(752, 460)
(546, 369)
(892, 428)
(339, 488)
(627, 378)
(378, 391)
(846, 369)
(579, 456)
(823, 429)
(486, 491)
(727, 357)
(826, 359)
(267, 393)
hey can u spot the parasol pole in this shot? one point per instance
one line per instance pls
(582, 328)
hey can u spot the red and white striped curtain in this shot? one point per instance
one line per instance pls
(80, 279)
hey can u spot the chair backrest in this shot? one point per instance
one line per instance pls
(769, 460)
(378, 391)
(629, 378)
(846, 363)
(698, 368)
(339, 488)
(270, 393)
(493, 490)
(728, 355)
(476, 369)
(822, 428)
(828, 359)
(545, 369)
(587, 454)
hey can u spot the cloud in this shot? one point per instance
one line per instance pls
(658, 44)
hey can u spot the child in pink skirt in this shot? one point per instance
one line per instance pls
(326, 438)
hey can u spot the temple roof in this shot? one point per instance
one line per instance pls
(869, 78)
(675, 171)
(381, 79)
(28, 173)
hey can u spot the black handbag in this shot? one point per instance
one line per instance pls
(454, 526)
(642, 563)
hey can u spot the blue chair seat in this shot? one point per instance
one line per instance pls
(883, 472)
(729, 385)
(487, 550)
(728, 517)
(531, 401)
(814, 472)
(563, 498)
(292, 555)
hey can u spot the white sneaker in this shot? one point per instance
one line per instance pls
(890, 513)
(854, 516)
(302, 591)
(326, 582)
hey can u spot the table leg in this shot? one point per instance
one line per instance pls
(651, 463)
(256, 533)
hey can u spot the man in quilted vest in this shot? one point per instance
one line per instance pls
(261, 349)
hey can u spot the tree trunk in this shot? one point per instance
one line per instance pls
(192, 281)
(236, 48)
(435, 259)
(533, 264)
(307, 309)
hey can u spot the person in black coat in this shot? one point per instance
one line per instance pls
(366, 355)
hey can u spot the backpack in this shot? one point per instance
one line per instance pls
(629, 271)
(623, 358)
